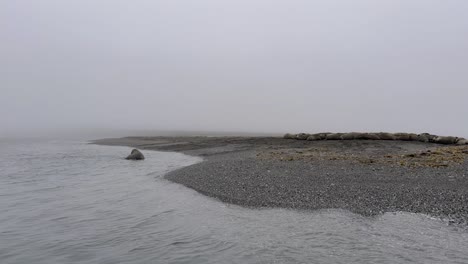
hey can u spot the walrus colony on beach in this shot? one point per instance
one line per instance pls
(424, 137)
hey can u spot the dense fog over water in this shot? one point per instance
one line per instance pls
(252, 66)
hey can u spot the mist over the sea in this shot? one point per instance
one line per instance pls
(247, 66)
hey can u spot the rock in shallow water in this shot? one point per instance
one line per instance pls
(135, 155)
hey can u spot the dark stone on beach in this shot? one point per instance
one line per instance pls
(135, 155)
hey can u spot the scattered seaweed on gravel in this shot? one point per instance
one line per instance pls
(435, 158)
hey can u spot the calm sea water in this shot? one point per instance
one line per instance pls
(70, 202)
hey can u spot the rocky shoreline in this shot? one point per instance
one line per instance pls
(368, 177)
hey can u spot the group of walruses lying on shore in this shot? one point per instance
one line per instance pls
(424, 137)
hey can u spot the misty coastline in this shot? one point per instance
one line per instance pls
(233, 131)
(368, 177)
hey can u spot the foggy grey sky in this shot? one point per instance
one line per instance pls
(260, 66)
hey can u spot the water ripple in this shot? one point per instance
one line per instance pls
(68, 202)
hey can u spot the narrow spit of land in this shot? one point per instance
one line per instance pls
(368, 177)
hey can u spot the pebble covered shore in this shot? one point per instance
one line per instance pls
(368, 177)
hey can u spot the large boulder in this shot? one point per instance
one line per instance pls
(135, 155)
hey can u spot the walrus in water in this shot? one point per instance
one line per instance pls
(135, 155)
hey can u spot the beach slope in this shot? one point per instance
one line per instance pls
(367, 177)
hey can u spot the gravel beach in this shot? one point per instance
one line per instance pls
(368, 177)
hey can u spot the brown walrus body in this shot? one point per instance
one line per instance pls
(423, 137)
(289, 136)
(386, 136)
(446, 140)
(302, 136)
(334, 136)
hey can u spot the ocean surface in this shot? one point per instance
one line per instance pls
(72, 202)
